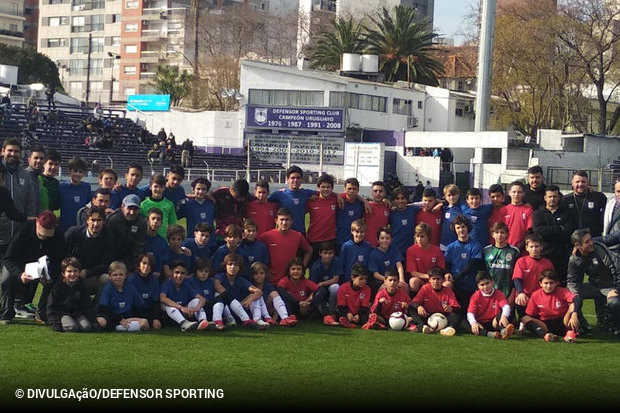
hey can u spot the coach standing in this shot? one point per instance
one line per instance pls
(585, 205)
(128, 230)
(535, 188)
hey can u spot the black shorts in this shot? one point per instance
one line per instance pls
(556, 326)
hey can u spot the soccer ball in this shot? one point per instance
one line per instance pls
(398, 321)
(437, 321)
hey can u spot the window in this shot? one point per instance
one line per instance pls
(131, 27)
(116, 41)
(402, 106)
(419, 104)
(79, 45)
(492, 155)
(97, 22)
(76, 89)
(129, 70)
(286, 97)
(131, 48)
(97, 44)
(358, 101)
(77, 67)
(56, 42)
(132, 4)
(130, 91)
(58, 21)
(116, 18)
(96, 66)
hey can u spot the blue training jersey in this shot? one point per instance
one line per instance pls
(319, 272)
(239, 290)
(182, 295)
(479, 219)
(72, 198)
(158, 246)
(294, 201)
(254, 251)
(196, 212)
(352, 253)
(147, 287)
(117, 195)
(122, 303)
(197, 251)
(345, 216)
(447, 235)
(457, 256)
(204, 288)
(381, 262)
(403, 227)
(180, 256)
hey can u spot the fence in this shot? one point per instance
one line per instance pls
(601, 179)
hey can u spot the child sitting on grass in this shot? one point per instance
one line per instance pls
(298, 291)
(260, 274)
(353, 300)
(488, 314)
(147, 284)
(433, 298)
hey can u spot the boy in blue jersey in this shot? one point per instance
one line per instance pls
(463, 261)
(386, 257)
(174, 192)
(326, 272)
(155, 243)
(74, 194)
(478, 215)
(119, 303)
(147, 285)
(294, 198)
(202, 283)
(199, 208)
(199, 244)
(450, 211)
(402, 222)
(251, 248)
(132, 180)
(232, 241)
(181, 302)
(355, 250)
(352, 209)
(175, 234)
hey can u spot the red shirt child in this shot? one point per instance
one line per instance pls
(353, 298)
(528, 269)
(378, 218)
(434, 301)
(322, 226)
(486, 307)
(263, 214)
(300, 290)
(421, 260)
(549, 306)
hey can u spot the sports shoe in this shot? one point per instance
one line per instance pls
(346, 323)
(448, 331)
(231, 323)
(271, 321)
(250, 324)
(188, 325)
(262, 324)
(23, 312)
(522, 330)
(329, 320)
(203, 325)
(550, 338)
(413, 328)
(507, 331)
(427, 330)
(570, 336)
(4, 322)
(372, 321)
(38, 320)
(494, 334)
(292, 319)
(219, 325)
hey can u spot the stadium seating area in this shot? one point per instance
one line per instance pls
(67, 135)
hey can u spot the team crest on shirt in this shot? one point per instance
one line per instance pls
(360, 258)
(203, 215)
(251, 258)
(333, 207)
(558, 304)
(351, 213)
(296, 201)
(271, 213)
(362, 296)
(404, 222)
(22, 182)
(386, 213)
(591, 205)
(302, 293)
(474, 218)
(434, 260)
(447, 215)
(386, 263)
(444, 303)
(134, 229)
(145, 296)
(508, 257)
(494, 305)
(438, 221)
(76, 199)
(594, 261)
(121, 304)
(464, 255)
(524, 216)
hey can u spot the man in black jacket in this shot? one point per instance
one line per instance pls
(535, 188)
(585, 205)
(128, 229)
(93, 247)
(555, 226)
(32, 241)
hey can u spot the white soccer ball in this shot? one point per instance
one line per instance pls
(437, 321)
(398, 321)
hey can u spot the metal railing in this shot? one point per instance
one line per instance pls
(276, 176)
(602, 179)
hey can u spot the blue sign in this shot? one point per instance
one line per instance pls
(294, 118)
(148, 102)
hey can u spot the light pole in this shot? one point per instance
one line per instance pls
(114, 56)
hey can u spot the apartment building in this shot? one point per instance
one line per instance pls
(12, 22)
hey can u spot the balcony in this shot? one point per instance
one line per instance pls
(79, 5)
(150, 56)
(11, 11)
(152, 35)
(87, 28)
(12, 33)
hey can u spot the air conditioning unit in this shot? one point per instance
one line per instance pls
(412, 122)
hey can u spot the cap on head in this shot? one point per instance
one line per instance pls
(47, 219)
(131, 200)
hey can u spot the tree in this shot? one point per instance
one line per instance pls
(33, 67)
(404, 45)
(588, 28)
(168, 81)
(345, 36)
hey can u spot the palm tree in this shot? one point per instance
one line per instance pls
(345, 37)
(404, 46)
(169, 81)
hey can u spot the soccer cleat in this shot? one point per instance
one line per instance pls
(570, 336)
(23, 311)
(427, 330)
(550, 338)
(522, 330)
(262, 324)
(329, 320)
(219, 325)
(507, 331)
(413, 328)
(292, 319)
(346, 323)
(371, 323)
(271, 321)
(188, 325)
(203, 325)
(250, 324)
(448, 331)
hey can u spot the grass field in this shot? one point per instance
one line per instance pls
(311, 366)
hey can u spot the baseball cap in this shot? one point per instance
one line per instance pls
(131, 200)
(47, 219)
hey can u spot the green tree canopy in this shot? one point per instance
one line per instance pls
(34, 67)
(345, 36)
(168, 81)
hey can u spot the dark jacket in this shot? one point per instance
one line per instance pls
(95, 254)
(536, 199)
(129, 237)
(555, 228)
(72, 300)
(586, 210)
(600, 265)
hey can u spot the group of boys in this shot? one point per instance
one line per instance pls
(481, 266)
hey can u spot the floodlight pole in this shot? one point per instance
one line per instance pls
(90, 50)
(485, 62)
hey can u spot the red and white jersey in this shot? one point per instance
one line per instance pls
(519, 220)
(264, 214)
(486, 308)
(421, 260)
(549, 306)
(529, 269)
(353, 299)
(433, 220)
(392, 304)
(433, 301)
(322, 226)
(378, 218)
(300, 289)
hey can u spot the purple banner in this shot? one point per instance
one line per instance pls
(295, 118)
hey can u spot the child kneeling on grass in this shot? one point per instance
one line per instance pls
(433, 298)
(119, 302)
(553, 311)
(69, 307)
(181, 302)
(489, 313)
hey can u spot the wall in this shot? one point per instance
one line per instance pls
(414, 169)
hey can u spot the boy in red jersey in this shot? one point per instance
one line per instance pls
(421, 257)
(527, 270)
(298, 291)
(283, 244)
(379, 214)
(489, 312)
(517, 215)
(389, 300)
(430, 216)
(260, 210)
(553, 311)
(497, 196)
(435, 298)
(322, 209)
(354, 299)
